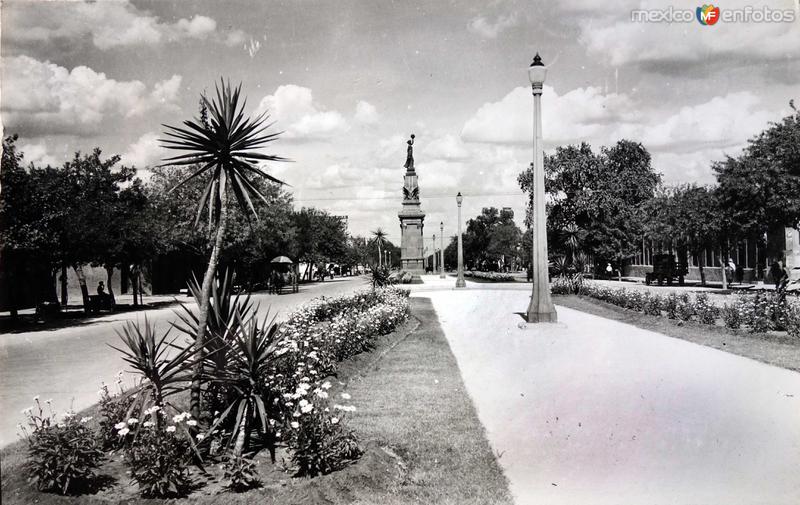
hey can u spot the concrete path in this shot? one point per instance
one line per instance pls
(591, 411)
(68, 364)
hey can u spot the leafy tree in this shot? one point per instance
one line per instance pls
(602, 194)
(225, 144)
(759, 189)
(490, 237)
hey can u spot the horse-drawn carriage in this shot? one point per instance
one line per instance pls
(666, 268)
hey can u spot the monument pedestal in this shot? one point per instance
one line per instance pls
(411, 244)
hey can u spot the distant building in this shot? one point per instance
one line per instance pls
(753, 257)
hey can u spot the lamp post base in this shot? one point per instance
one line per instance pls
(460, 282)
(542, 317)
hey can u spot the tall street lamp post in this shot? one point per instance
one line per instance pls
(441, 250)
(541, 308)
(460, 280)
(434, 253)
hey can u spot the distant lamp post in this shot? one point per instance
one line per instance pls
(541, 308)
(441, 250)
(434, 253)
(460, 279)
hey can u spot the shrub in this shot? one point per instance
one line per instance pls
(380, 277)
(707, 312)
(670, 305)
(732, 314)
(685, 309)
(158, 457)
(757, 312)
(114, 409)
(567, 285)
(652, 304)
(319, 442)
(792, 320)
(62, 456)
(240, 473)
(490, 276)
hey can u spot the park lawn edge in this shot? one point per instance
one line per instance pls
(422, 438)
(771, 348)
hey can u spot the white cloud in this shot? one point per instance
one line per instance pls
(199, 27)
(487, 29)
(296, 113)
(46, 98)
(613, 37)
(723, 121)
(366, 113)
(145, 152)
(580, 114)
(446, 147)
(110, 24)
(38, 154)
(683, 141)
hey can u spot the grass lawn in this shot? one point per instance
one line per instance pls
(422, 438)
(773, 348)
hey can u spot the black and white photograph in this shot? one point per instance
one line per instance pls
(396, 252)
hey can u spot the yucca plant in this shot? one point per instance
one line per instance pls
(163, 366)
(227, 311)
(225, 145)
(379, 237)
(251, 359)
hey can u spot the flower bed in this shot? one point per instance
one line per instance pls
(757, 313)
(272, 381)
(490, 276)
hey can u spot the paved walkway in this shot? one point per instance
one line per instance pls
(592, 411)
(68, 364)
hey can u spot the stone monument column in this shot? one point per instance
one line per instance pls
(411, 218)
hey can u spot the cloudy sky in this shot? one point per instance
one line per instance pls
(348, 81)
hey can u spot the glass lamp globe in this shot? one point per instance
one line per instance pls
(537, 72)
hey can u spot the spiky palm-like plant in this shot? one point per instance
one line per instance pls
(379, 237)
(224, 145)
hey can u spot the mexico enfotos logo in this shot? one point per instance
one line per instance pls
(709, 15)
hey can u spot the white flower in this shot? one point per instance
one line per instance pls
(61, 425)
(191, 422)
(148, 424)
(133, 420)
(200, 436)
(119, 426)
(302, 403)
(86, 419)
(334, 420)
(170, 429)
(305, 409)
(28, 410)
(345, 396)
(36, 398)
(322, 394)
(123, 432)
(295, 424)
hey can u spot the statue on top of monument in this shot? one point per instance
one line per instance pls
(410, 154)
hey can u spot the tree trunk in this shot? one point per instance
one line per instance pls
(205, 300)
(134, 273)
(63, 279)
(379, 255)
(109, 276)
(724, 265)
(84, 289)
(241, 436)
(702, 275)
